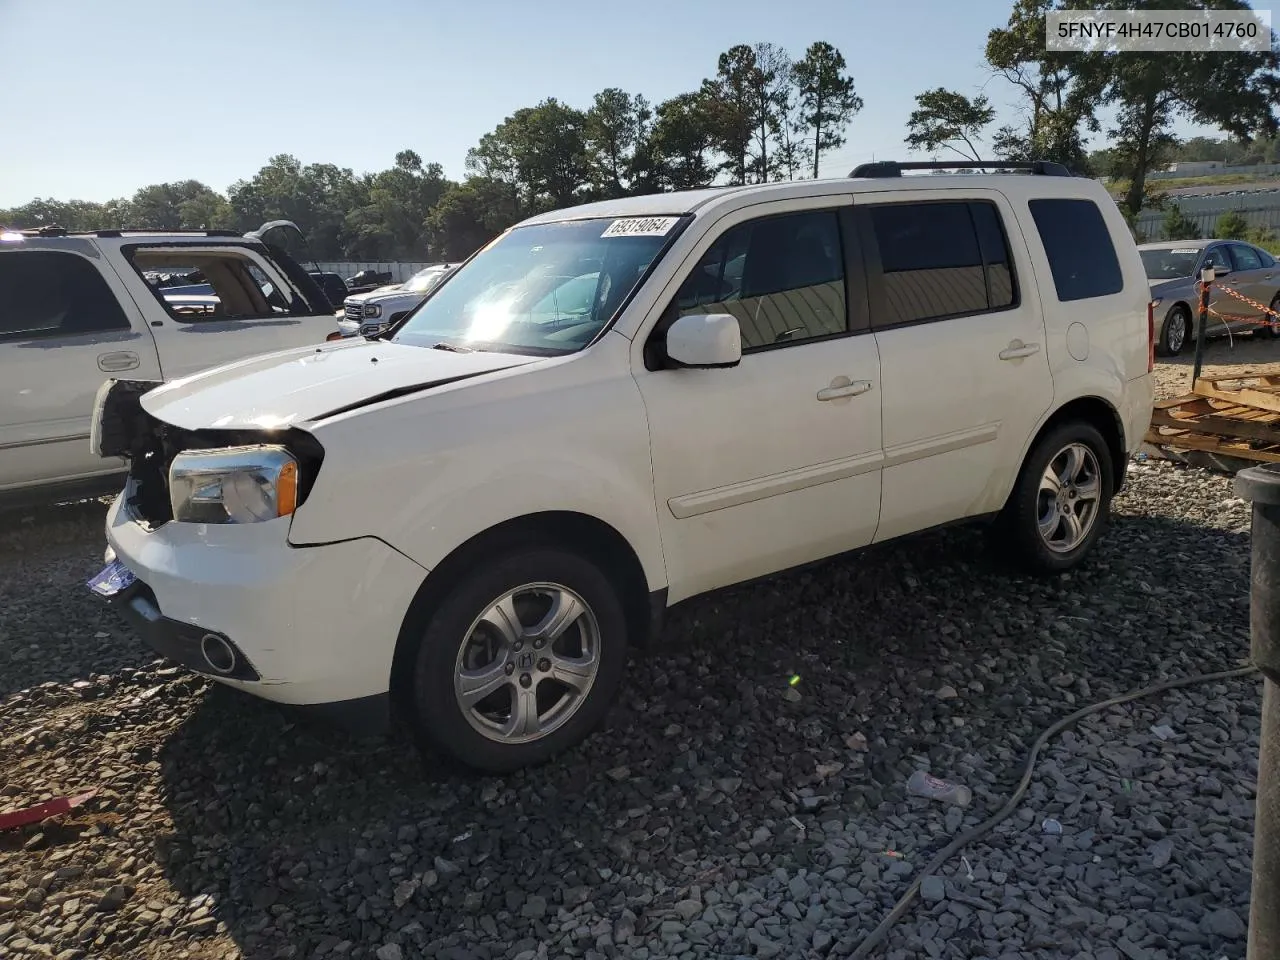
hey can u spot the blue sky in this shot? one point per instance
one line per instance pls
(101, 98)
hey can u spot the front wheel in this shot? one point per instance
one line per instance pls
(1174, 332)
(1062, 500)
(520, 661)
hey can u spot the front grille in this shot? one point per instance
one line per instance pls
(353, 311)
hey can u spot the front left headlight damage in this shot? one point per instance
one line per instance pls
(247, 484)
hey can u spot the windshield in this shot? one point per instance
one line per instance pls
(545, 289)
(424, 280)
(1170, 263)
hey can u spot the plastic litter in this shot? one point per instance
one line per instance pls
(1052, 827)
(921, 784)
(42, 811)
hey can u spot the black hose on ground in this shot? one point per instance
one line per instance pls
(878, 935)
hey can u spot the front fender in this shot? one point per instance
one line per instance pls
(429, 472)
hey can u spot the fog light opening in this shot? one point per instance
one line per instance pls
(218, 654)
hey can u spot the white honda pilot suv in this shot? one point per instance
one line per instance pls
(756, 378)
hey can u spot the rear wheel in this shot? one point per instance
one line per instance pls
(1269, 329)
(1175, 332)
(1062, 500)
(520, 661)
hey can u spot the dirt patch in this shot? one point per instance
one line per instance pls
(1221, 357)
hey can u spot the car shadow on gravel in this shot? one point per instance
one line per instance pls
(715, 766)
(52, 630)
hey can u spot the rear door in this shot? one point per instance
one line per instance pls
(964, 365)
(65, 327)
(1252, 279)
(256, 306)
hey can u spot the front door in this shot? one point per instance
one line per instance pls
(775, 462)
(963, 358)
(65, 328)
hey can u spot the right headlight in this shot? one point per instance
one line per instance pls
(233, 485)
(373, 309)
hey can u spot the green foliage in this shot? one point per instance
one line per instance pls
(1178, 226)
(760, 117)
(1231, 226)
(826, 100)
(944, 118)
(1265, 238)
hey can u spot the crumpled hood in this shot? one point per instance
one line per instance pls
(306, 383)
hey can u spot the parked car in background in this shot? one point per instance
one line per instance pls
(594, 419)
(76, 309)
(1173, 269)
(369, 313)
(367, 280)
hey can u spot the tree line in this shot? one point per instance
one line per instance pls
(761, 117)
(1060, 95)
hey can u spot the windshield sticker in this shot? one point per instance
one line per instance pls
(1192, 250)
(641, 227)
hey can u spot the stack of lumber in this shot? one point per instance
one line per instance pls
(1227, 422)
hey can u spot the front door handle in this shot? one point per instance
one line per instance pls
(846, 389)
(1017, 349)
(119, 360)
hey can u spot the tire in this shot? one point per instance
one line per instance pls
(1175, 332)
(460, 647)
(1270, 331)
(1019, 525)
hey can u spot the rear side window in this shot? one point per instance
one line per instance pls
(1267, 259)
(45, 293)
(939, 260)
(1078, 244)
(1246, 258)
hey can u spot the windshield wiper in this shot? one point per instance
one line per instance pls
(451, 348)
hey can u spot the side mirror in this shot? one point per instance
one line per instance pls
(705, 341)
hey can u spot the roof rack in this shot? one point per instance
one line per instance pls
(894, 168)
(52, 231)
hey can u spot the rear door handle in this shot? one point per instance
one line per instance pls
(853, 389)
(119, 360)
(1018, 349)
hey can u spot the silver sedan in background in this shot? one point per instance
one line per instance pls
(1172, 269)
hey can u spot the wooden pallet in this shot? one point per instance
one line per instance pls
(1232, 419)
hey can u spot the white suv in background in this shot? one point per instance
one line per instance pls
(760, 377)
(366, 313)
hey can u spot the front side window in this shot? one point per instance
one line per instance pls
(1218, 259)
(781, 277)
(1246, 257)
(544, 289)
(941, 259)
(50, 294)
(1078, 245)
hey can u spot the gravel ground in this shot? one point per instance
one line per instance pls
(722, 813)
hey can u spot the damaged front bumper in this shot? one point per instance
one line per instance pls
(238, 602)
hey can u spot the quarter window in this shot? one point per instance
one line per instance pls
(1078, 245)
(782, 278)
(941, 259)
(49, 294)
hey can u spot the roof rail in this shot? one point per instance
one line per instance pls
(52, 231)
(894, 168)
